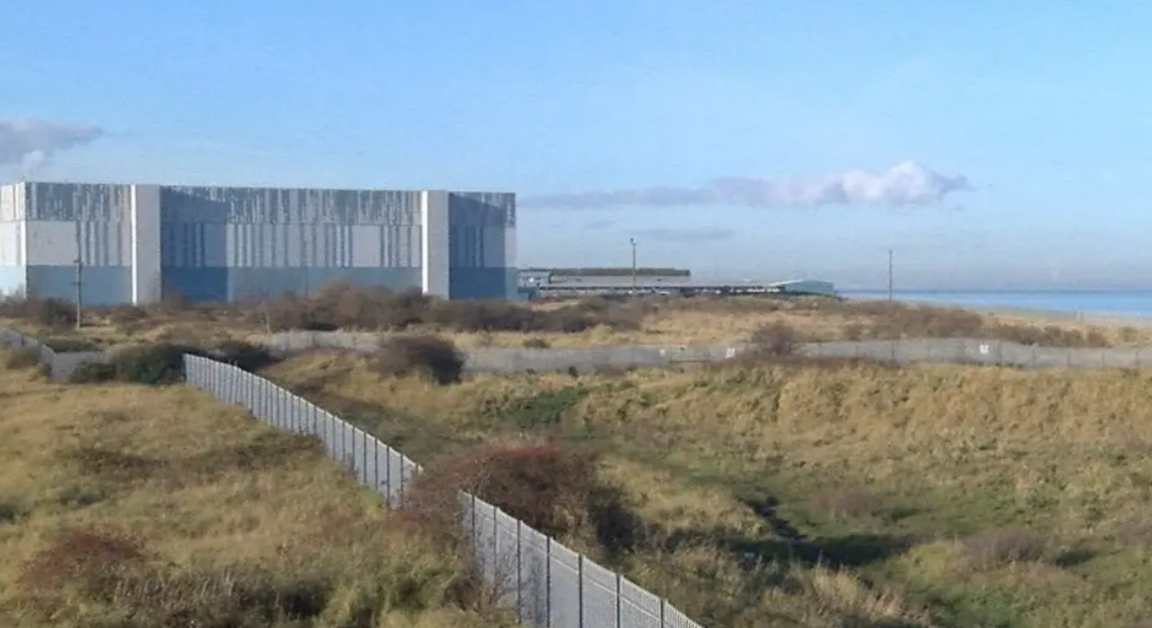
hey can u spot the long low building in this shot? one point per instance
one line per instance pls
(131, 243)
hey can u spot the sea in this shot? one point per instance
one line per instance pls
(1135, 304)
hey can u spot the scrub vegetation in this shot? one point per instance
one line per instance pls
(784, 492)
(593, 321)
(152, 506)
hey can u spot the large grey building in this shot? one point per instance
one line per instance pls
(138, 243)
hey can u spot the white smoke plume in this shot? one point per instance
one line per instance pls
(905, 184)
(30, 142)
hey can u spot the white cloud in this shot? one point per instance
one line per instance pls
(30, 142)
(905, 184)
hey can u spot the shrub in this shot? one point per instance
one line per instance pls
(47, 312)
(87, 573)
(245, 355)
(435, 357)
(126, 314)
(22, 358)
(774, 340)
(536, 343)
(94, 372)
(341, 305)
(154, 365)
(552, 489)
(70, 345)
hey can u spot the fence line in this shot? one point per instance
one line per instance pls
(544, 582)
(59, 364)
(509, 360)
(903, 351)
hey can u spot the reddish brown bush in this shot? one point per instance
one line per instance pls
(552, 489)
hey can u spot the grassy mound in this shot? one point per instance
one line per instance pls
(827, 494)
(136, 506)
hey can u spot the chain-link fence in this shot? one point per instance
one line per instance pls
(904, 351)
(59, 364)
(545, 583)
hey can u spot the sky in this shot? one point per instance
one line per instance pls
(988, 144)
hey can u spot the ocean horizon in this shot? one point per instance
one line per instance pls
(1097, 302)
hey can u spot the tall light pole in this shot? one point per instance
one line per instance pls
(78, 282)
(632, 241)
(890, 274)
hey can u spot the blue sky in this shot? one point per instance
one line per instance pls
(1044, 107)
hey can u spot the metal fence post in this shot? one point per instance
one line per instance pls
(663, 603)
(364, 458)
(580, 588)
(497, 564)
(400, 493)
(519, 575)
(388, 476)
(619, 603)
(376, 465)
(548, 582)
(472, 524)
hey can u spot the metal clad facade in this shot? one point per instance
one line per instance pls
(222, 244)
(482, 244)
(13, 277)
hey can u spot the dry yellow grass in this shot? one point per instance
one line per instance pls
(241, 525)
(985, 496)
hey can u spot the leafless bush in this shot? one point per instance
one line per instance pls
(554, 490)
(346, 306)
(536, 343)
(775, 339)
(435, 357)
(55, 313)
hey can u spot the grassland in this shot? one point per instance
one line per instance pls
(828, 495)
(589, 322)
(131, 506)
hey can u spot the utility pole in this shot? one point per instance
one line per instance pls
(889, 274)
(79, 283)
(632, 241)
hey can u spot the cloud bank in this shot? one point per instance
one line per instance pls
(29, 143)
(905, 184)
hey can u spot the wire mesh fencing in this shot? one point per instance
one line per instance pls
(542, 581)
(903, 351)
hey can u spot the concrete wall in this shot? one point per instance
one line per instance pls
(482, 245)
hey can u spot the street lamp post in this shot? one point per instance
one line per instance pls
(889, 275)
